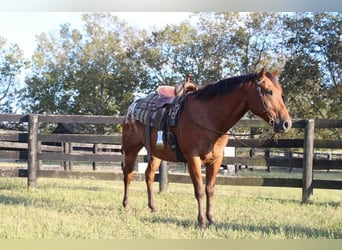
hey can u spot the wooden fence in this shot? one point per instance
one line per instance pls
(34, 147)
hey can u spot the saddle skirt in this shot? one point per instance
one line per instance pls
(158, 111)
(161, 110)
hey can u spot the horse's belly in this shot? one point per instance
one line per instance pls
(165, 154)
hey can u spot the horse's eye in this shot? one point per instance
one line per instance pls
(269, 92)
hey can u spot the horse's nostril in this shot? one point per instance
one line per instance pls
(282, 126)
(286, 125)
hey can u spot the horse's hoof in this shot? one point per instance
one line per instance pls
(153, 210)
(211, 223)
(126, 206)
(127, 209)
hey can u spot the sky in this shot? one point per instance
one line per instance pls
(23, 27)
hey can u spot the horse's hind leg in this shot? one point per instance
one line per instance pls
(152, 167)
(128, 175)
(131, 148)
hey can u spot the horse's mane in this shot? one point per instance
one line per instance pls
(228, 85)
(223, 86)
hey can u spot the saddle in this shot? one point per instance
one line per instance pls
(178, 90)
(161, 110)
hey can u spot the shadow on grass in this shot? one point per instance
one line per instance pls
(8, 200)
(57, 204)
(163, 220)
(287, 231)
(334, 204)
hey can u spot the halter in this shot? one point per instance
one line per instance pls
(263, 102)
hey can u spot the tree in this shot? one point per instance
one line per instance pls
(106, 72)
(329, 46)
(255, 42)
(312, 74)
(303, 87)
(102, 68)
(87, 72)
(211, 46)
(11, 64)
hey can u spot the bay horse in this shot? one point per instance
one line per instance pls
(201, 132)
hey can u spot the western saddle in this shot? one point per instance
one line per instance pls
(161, 110)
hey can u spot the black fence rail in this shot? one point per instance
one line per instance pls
(33, 146)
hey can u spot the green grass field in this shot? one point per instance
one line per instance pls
(89, 209)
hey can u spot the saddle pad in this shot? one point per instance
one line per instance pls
(143, 108)
(153, 108)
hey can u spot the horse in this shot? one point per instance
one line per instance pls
(201, 132)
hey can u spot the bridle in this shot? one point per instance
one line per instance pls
(263, 102)
(266, 110)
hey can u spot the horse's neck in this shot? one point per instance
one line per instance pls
(223, 112)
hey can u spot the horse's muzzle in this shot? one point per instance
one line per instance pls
(281, 126)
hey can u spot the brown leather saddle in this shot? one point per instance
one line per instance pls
(161, 111)
(153, 109)
(179, 90)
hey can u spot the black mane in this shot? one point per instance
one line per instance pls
(223, 86)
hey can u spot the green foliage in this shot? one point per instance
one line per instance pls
(99, 70)
(302, 74)
(312, 74)
(88, 72)
(11, 64)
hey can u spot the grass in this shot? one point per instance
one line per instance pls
(89, 209)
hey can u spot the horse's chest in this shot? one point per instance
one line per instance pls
(210, 150)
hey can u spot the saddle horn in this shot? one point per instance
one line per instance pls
(187, 86)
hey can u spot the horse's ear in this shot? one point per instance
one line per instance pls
(188, 78)
(262, 73)
(275, 73)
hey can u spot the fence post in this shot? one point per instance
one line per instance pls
(163, 178)
(95, 150)
(309, 134)
(66, 146)
(40, 162)
(71, 149)
(32, 162)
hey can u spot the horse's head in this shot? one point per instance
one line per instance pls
(266, 101)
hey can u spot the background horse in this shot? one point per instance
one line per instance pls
(201, 132)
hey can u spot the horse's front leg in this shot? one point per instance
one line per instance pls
(212, 169)
(150, 172)
(194, 166)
